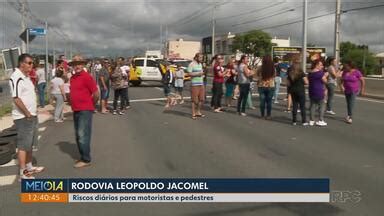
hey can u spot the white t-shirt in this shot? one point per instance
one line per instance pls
(22, 87)
(97, 67)
(56, 83)
(125, 69)
(41, 75)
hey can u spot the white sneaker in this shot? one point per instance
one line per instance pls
(298, 111)
(305, 124)
(36, 169)
(276, 102)
(35, 149)
(311, 123)
(243, 114)
(348, 120)
(321, 123)
(330, 112)
(26, 175)
(294, 123)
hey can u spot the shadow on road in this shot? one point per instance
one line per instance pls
(178, 113)
(70, 149)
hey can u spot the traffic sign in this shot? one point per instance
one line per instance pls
(37, 31)
(23, 36)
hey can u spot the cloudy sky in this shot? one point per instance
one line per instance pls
(118, 27)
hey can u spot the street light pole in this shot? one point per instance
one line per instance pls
(213, 31)
(46, 49)
(27, 42)
(304, 50)
(337, 32)
(23, 26)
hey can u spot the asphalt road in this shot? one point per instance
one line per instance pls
(148, 142)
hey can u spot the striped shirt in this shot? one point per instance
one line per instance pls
(195, 67)
(22, 87)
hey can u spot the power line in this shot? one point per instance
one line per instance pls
(265, 17)
(252, 11)
(319, 16)
(362, 8)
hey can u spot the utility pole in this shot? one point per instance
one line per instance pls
(166, 42)
(365, 48)
(70, 48)
(305, 25)
(46, 50)
(23, 26)
(161, 38)
(65, 48)
(213, 30)
(53, 53)
(337, 32)
(27, 43)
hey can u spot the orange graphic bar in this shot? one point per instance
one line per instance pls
(44, 197)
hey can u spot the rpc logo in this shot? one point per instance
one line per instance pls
(43, 186)
(346, 196)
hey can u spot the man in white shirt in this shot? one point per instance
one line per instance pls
(41, 84)
(24, 114)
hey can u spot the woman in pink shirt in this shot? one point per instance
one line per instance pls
(350, 80)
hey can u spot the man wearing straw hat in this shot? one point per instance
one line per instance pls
(84, 95)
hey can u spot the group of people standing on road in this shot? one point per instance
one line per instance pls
(83, 91)
(238, 78)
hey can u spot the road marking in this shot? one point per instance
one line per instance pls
(42, 129)
(363, 99)
(163, 99)
(341, 95)
(7, 180)
(10, 163)
(373, 78)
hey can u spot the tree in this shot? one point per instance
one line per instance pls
(255, 43)
(345, 47)
(363, 60)
(360, 55)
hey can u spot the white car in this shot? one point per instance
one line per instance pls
(149, 69)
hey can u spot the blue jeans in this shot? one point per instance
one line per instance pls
(331, 92)
(41, 90)
(266, 95)
(242, 101)
(351, 98)
(83, 131)
(277, 88)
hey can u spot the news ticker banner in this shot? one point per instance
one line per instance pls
(175, 190)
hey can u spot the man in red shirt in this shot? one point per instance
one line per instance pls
(84, 95)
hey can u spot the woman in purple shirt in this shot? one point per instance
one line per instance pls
(317, 79)
(350, 80)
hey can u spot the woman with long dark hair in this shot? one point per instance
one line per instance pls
(296, 82)
(266, 85)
